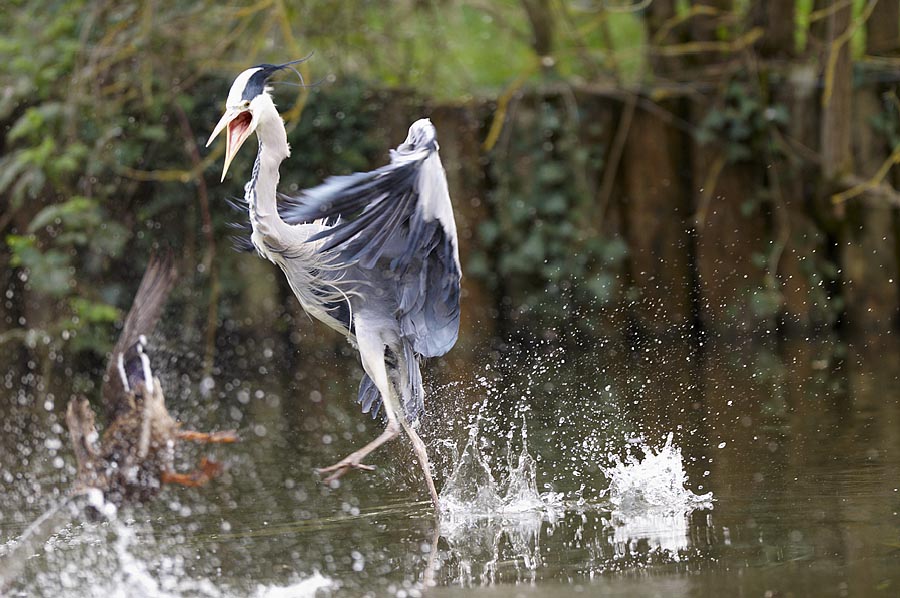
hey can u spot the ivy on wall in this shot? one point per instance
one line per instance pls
(543, 253)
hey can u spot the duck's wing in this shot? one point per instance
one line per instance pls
(128, 362)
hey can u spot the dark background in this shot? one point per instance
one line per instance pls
(620, 169)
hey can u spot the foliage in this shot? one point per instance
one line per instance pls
(337, 134)
(105, 108)
(887, 122)
(743, 123)
(542, 241)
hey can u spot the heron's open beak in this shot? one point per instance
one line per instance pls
(238, 121)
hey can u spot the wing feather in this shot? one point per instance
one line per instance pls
(397, 218)
(157, 283)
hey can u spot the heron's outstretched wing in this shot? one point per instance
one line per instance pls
(157, 283)
(397, 218)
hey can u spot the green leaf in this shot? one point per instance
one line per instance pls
(555, 204)
(94, 312)
(488, 231)
(78, 212)
(551, 173)
(602, 286)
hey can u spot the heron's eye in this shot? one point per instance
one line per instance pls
(245, 104)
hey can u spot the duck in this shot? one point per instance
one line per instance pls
(135, 456)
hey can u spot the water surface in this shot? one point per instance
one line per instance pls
(799, 445)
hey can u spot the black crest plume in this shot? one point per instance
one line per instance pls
(257, 82)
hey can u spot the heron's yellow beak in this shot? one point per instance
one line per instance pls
(238, 121)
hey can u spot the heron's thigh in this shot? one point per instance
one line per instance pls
(371, 353)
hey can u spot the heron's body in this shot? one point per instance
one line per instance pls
(372, 255)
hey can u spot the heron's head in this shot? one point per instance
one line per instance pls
(248, 102)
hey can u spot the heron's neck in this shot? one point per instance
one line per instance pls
(261, 190)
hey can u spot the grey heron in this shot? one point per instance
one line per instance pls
(373, 255)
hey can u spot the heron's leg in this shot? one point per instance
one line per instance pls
(371, 352)
(422, 454)
(407, 387)
(354, 459)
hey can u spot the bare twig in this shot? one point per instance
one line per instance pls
(699, 47)
(708, 190)
(678, 19)
(835, 49)
(212, 310)
(874, 185)
(502, 106)
(824, 13)
(611, 167)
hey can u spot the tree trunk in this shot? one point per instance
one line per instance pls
(868, 258)
(704, 26)
(837, 96)
(776, 19)
(817, 33)
(801, 268)
(658, 14)
(657, 225)
(883, 28)
(540, 16)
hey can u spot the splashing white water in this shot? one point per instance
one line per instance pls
(472, 490)
(304, 588)
(486, 522)
(116, 558)
(655, 483)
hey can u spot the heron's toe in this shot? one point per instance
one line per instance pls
(339, 469)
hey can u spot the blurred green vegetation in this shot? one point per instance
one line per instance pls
(106, 107)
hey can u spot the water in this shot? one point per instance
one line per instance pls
(654, 483)
(650, 472)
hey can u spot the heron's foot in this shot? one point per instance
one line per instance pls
(208, 470)
(225, 436)
(342, 467)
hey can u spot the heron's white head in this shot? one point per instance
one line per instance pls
(247, 104)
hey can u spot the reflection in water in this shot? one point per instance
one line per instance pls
(478, 545)
(486, 524)
(663, 532)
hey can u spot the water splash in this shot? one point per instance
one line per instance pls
(472, 489)
(116, 556)
(487, 522)
(655, 483)
(304, 588)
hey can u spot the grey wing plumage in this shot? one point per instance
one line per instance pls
(413, 403)
(369, 398)
(399, 218)
(157, 283)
